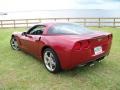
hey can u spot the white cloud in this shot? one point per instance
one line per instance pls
(23, 5)
(98, 4)
(18, 5)
(90, 1)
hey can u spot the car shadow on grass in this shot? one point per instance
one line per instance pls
(82, 70)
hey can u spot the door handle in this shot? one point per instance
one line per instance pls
(38, 39)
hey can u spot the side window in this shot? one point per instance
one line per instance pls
(36, 30)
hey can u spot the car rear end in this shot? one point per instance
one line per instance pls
(90, 49)
(79, 45)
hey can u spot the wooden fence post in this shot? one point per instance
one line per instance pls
(1, 24)
(27, 23)
(14, 23)
(39, 20)
(114, 22)
(55, 19)
(99, 22)
(68, 19)
(84, 22)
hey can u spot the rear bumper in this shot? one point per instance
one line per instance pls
(82, 57)
(78, 58)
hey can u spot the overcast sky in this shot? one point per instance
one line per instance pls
(27, 5)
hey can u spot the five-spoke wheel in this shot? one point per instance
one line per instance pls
(51, 61)
(14, 44)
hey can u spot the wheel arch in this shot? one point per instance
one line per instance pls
(12, 35)
(44, 47)
(17, 38)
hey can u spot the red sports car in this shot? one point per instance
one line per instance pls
(63, 45)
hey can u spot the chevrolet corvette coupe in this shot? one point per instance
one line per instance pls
(63, 45)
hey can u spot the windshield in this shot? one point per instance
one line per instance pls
(68, 29)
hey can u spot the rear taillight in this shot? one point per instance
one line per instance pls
(86, 44)
(81, 45)
(77, 46)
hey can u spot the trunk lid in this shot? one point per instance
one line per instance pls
(96, 37)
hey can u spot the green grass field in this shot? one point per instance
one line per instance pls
(20, 71)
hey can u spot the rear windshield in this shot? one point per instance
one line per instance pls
(68, 29)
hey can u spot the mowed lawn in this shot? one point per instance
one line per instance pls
(20, 71)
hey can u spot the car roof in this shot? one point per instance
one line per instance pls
(53, 23)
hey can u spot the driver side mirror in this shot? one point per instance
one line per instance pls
(24, 33)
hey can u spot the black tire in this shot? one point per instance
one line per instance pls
(54, 60)
(14, 44)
